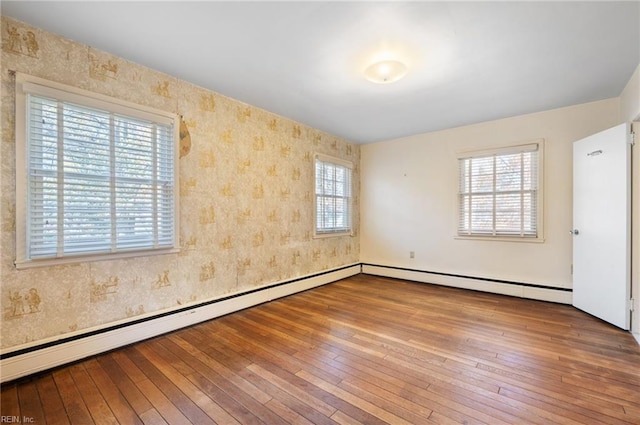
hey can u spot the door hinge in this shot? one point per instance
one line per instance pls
(631, 305)
(632, 139)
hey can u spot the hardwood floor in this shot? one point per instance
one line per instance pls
(362, 350)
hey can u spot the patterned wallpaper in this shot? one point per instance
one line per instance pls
(246, 200)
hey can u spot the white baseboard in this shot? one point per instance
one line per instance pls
(512, 289)
(636, 336)
(96, 342)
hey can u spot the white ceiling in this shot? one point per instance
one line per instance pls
(469, 61)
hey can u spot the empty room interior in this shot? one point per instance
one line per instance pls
(320, 212)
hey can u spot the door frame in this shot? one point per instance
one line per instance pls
(635, 230)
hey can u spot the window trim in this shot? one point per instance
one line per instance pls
(540, 211)
(343, 163)
(29, 84)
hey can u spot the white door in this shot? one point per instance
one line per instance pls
(602, 225)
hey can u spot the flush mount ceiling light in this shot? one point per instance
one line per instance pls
(385, 71)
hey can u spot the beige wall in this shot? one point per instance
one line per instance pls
(409, 187)
(246, 198)
(630, 99)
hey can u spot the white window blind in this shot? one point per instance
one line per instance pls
(498, 193)
(333, 196)
(98, 181)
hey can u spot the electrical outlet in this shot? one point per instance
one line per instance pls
(412, 254)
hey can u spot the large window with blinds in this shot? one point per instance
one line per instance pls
(499, 192)
(333, 196)
(96, 177)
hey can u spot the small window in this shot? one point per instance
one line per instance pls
(499, 193)
(333, 196)
(96, 177)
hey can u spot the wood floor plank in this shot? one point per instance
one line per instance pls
(240, 404)
(316, 394)
(52, 406)
(455, 407)
(280, 402)
(344, 419)
(296, 390)
(126, 387)
(129, 367)
(210, 398)
(405, 385)
(363, 350)
(239, 412)
(30, 403)
(9, 402)
(122, 410)
(152, 417)
(561, 408)
(94, 401)
(403, 407)
(144, 358)
(160, 402)
(281, 397)
(614, 391)
(72, 398)
(365, 405)
(593, 406)
(218, 372)
(288, 414)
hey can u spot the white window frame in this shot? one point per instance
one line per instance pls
(25, 85)
(533, 145)
(319, 233)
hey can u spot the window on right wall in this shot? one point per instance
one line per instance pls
(499, 193)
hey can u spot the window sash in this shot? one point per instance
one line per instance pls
(98, 180)
(499, 193)
(332, 197)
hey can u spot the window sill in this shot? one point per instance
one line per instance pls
(500, 239)
(331, 234)
(78, 259)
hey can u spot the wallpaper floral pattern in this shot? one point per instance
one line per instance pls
(246, 200)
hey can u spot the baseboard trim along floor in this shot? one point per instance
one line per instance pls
(515, 289)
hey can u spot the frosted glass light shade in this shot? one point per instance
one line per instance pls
(386, 71)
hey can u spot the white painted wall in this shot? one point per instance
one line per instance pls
(630, 111)
(408, 197)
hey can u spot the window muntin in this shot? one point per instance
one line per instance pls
(99, 178)
(499, 193)
(332, 196)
